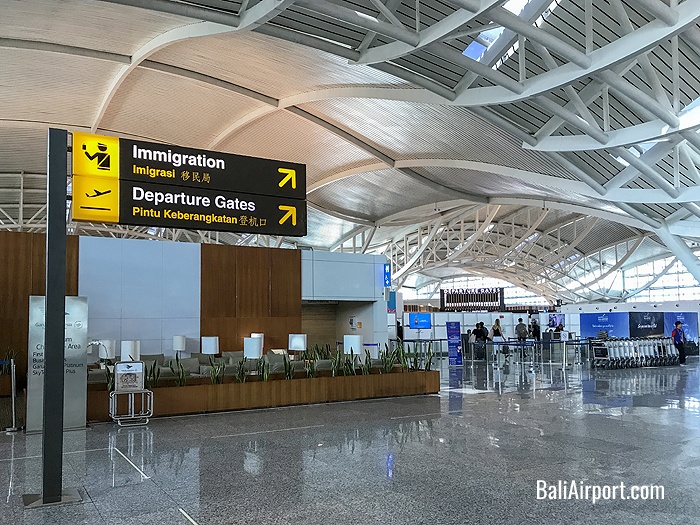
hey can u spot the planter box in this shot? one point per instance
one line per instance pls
(195, 399)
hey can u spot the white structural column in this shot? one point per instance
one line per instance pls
(681, 250)
(647, 170)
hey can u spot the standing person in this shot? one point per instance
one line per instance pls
(678, 342)
(521, 333)
(483, 335)
(521, 330)
(536, 333)
(496, 330)
(496, 336)
(399, 331)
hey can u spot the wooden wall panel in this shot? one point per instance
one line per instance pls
(72, 270)
(218, 281)
(265, 287)
(252, 282)
(285, 290)
(318, 321)
(224, 327)
(16, 275)
(39, 264)
(23, 264)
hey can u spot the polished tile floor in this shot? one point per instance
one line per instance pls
(471, 455)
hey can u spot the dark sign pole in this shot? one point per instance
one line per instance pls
(54, 339)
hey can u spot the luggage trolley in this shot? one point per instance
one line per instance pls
(129, 384)
(600, 354)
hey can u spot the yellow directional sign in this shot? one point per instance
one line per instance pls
(95, 199)
(138, 183)
(291, 175)
(291, 212)
(95, 155)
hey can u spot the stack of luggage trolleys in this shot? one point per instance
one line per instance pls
(634, 353)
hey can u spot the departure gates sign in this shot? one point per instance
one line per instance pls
(148, 184)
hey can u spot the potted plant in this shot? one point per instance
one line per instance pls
(216, 371)
(178, 371)
(152, 375)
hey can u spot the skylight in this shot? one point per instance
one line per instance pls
(484, 40)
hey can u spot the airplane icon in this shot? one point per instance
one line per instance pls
(98, 193)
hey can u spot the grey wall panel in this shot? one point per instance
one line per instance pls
(142, 279)
(187, 326)
(141, 329)
(104, 329)
(142, 290)
(150, 346)
(181, 280)
(307, 275)
(100, 276)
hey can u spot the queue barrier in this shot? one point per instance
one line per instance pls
(13, 375)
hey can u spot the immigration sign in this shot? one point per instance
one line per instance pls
(148, 184)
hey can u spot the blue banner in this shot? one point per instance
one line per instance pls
(391, 303)
(387, 275)
(689, 320)
(617, 324)
(454, 343)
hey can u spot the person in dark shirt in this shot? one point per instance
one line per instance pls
(678, 341)
(536, 333)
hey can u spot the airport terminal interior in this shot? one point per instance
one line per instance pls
(349, 261)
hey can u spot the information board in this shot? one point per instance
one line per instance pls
(454, 343)
(75, 363)
(129, 376)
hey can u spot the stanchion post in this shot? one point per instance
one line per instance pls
(13, 376)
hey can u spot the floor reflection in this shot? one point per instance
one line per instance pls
(660, 387)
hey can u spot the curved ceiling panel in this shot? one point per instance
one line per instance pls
(50, 89)
(405, 130)
(167, 108)
(374, 195)
(493, 185)
(324, 229)
(87, 24)
(23, 137)
(270, 66)
(285, 136)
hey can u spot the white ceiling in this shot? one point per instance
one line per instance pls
(581, 140)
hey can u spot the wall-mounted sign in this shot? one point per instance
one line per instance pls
(148, 184)
(616, 324)
(689, 320)
(646, 324)
(387, 274)
(472, 299)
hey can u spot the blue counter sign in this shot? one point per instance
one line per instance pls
(387, 274)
